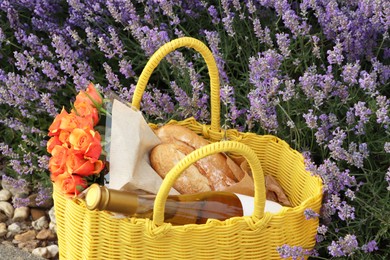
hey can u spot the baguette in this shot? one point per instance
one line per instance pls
(218, 169)
(164, 156)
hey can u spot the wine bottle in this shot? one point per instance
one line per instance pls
(179, 209)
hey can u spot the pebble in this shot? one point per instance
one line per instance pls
(53, 250)
(26, 236)
(46, 234)
(28, 245)
(3, 229)
(40, 223)
(37, 213)
(7, 208)
(14, 228)
(21, 214)
(52, 215)
(36, 235)
(5, 195)
(53, 226)
(41, 251)
(46, 252)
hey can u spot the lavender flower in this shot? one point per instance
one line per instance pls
(214, 42)
(214, 14)
(335, 145)
(111, 77)
(371, 246)
(334, 179)
(20, 202)
(350, 194)
(262, 34)
(316, 49)
(49, 69)
(310, 214)
(387, 178)
(228, 99)
(336, 56)
(383, 111)
(103, 44)
(126, 68)
(311, 120)
(289, 90)
(283, 42)
(367, 82)
(21, 61)
(18, 184)
(363, 113)
(293, 252)
(345, 211)
(116, 43)
(228, 18)
(322, 229)
(48, 104)
(350, 73)
(345, 246)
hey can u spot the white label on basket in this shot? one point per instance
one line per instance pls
(248, 204)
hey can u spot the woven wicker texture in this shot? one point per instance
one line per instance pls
(84, 234)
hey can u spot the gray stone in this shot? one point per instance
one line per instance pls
(21, 214)
(40, 223)
(5, 195)
(52, 215)
(7, 209)
(53, 250)
(41, 252)
(14, 228)
(53, 227)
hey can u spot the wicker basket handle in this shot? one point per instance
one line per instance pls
(217, 147)
(211, 66)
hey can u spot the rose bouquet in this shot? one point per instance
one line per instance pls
(75, 144)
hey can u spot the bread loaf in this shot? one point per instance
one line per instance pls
(164, 156)
(178, 141)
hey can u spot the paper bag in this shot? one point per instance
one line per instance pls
(130, 143)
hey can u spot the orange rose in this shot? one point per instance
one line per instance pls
(93, 152)
(52, 143)
(64, 138)
(99, 165)
(72, 121)
(91, 96)
(57, 163)
(73, 185)
(75, 163)
(86, 142)
(85, 109)
(54, 128)
(80, 139)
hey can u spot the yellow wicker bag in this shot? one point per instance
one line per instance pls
(84, 234)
